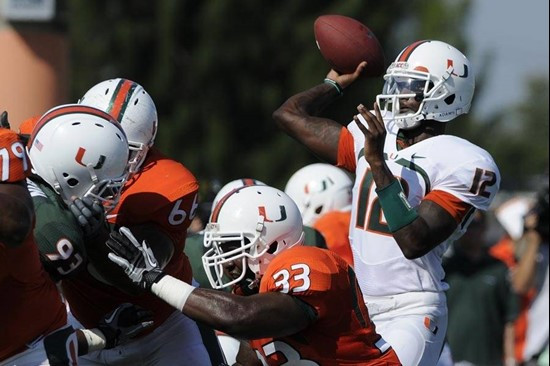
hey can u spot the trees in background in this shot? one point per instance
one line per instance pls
(218, 69)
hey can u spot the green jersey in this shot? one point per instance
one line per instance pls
(480, 302)
(58, 235)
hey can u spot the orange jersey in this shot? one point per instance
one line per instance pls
(14, 163)
(334, 226)
(27, 125)
(343, 333)
(31, 305)
(163, 193)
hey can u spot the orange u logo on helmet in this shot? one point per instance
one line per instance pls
(80, 154)
(282, 212)
(464, 74)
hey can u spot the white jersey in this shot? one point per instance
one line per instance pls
(444, 163)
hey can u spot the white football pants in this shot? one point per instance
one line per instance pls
(413, 323)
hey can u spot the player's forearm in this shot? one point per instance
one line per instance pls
(245, 317)
(297, 117)
(509, 344)
(217, 309)
(524, 274)
(417, 230)
(15, 220)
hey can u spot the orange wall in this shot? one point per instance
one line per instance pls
(34, 67)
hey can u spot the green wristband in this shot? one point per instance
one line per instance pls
(397, 210)
(335, 85)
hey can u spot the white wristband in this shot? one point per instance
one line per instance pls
(95, 338)
(173, 291)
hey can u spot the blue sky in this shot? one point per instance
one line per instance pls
(517, 33)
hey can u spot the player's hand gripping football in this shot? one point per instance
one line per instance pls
(124, 323)
(375, 133)
(89, 214)
(344, 80)
(137, 260)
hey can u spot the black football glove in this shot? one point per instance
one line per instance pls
(89, 214)
(137, 260)
(124, 323)
(4, 123)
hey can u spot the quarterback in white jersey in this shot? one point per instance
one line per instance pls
(415, 188)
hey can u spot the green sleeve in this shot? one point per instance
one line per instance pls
(194, 249)
(314, 238)
(58, 236)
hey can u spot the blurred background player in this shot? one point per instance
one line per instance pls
(412, 195)
(304, 302)
(29, 292)
(158, 201)
(524, 247)
(480, 297)
(323, 195)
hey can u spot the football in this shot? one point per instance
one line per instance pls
(345, 42)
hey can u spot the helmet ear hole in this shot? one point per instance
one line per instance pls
(72, 182)
(273, 247)
(318, 210)
(450, 99)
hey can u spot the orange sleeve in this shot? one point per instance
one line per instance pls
(334, 226)
(346, 157)
(504, 250)
(26, 127)
(14, 163)
(453, 205)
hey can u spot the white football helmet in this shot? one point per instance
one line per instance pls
(263, 221)
(134, 108)
(80, 151)
(433, 72)
(234, 184)
(319, 188)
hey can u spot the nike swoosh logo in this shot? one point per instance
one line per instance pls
(414, 156)
(110, 319)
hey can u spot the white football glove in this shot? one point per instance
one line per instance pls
(137, 260)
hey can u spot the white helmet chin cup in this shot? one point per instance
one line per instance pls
(80, 152)
(319, 188)
(435, 73)
(134, 108)
(249, 226)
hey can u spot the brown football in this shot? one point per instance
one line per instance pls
(345, 42)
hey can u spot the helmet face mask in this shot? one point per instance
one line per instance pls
(248, 228)
(226, 248)
(107, 192)
(134, 108)
(80, 152)
(434, 73)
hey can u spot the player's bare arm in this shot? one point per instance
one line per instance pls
(17, 213)
(432, 223)
(247, 356)
(298, 116)
(256, 316)
(263, 315)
